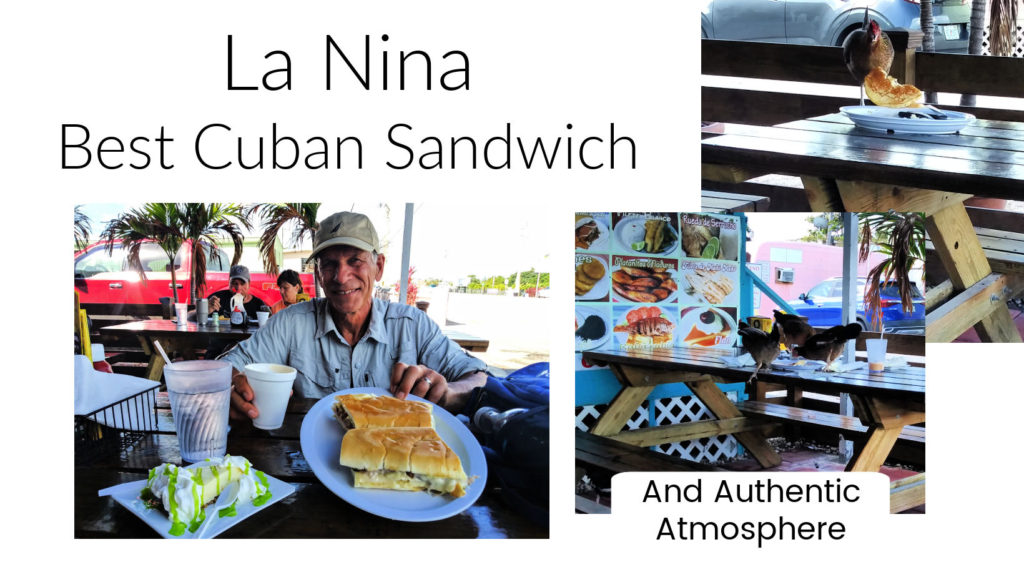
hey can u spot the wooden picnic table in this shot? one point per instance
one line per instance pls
(731, 203)
(885, 402)
(313, 511)
(187, 339)
(846, 168)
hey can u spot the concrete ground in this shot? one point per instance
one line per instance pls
(517, 327)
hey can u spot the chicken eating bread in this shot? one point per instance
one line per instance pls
(403, 459)
(366, 411)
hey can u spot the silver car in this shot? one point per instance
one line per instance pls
(828, 22)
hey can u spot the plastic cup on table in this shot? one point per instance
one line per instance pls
(262, 316)
(200, 395)
(876, 355)
(271, 387)
(181, 313)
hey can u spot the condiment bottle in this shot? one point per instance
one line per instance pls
(99, 359)
(238, 311)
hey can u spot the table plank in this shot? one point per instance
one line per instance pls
(954, 163)
(312, 512)
(907, 384)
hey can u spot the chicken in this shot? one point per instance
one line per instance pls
(762, 346)
(828, 344)
(866, 49)
(795, 329)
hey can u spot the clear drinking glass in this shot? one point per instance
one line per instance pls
(200, 395)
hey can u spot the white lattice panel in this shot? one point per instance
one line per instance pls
(1018, 42)
(671, 411)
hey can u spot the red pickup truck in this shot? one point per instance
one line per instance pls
(106, 278)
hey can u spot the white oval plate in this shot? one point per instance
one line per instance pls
(885, 119)
(127, 494)
(601, 243)
(582, 313)
(634, 225)
(320, 438)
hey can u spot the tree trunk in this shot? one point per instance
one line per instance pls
(977, 32)
(928, 28)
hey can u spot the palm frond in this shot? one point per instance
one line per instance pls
(83, 227)
(275, 217)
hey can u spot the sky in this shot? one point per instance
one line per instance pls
(448, 241)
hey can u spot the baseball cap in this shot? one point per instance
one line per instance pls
(345, 229)
(240, 272)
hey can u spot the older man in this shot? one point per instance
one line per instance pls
(349, 339)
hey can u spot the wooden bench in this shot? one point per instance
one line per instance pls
(909, 447)
(596, 453)
(731, 202)
(600, 458)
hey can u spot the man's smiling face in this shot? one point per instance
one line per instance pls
(347, 275)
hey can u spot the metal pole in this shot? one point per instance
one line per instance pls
(406, 246)
(849, 312)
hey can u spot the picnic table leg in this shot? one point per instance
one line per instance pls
(715, 400)
(957, 245)
(622, 407)
(156, 362)
(871, 456)
(885, 421)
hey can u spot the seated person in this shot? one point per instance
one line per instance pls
(290, 285)
(348, 339)
(220, 301)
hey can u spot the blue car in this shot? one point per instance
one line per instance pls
(822, 305)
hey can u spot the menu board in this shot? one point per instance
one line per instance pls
(656, 280)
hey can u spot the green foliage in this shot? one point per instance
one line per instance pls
(900, 236)
(170, 226)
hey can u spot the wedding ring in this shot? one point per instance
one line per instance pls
(428, 381)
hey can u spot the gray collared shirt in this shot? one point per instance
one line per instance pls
(304, 336)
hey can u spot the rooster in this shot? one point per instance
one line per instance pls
(828, 344)
(795, 329)
(866, 49)
(762, 346)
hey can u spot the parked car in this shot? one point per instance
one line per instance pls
(828, 22)
(822, 305)
(105, 278)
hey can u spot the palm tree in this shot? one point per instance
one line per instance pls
(928, 45)
(157, 222)
(201, 224)
(170, 226)
(83, 228)
(275, 217)
(1000, 23)
(901, 239)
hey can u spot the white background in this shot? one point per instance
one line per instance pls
(127, 68)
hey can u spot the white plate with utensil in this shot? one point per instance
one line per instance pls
(921, 120)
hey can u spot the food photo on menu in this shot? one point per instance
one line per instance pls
(247, 429)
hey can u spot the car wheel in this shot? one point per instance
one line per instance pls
(863, 325)
(845, 33)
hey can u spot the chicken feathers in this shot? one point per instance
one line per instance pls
(828, 344)
(762, 346)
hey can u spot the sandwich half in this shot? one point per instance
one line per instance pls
(365, 411)
(403, 459)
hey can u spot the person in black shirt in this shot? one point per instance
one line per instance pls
(220, 301)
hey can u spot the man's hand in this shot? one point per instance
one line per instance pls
(215, 306)
(420, 381)
(241, 397)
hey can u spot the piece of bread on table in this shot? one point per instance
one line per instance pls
(366, 411)
(404, 459)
